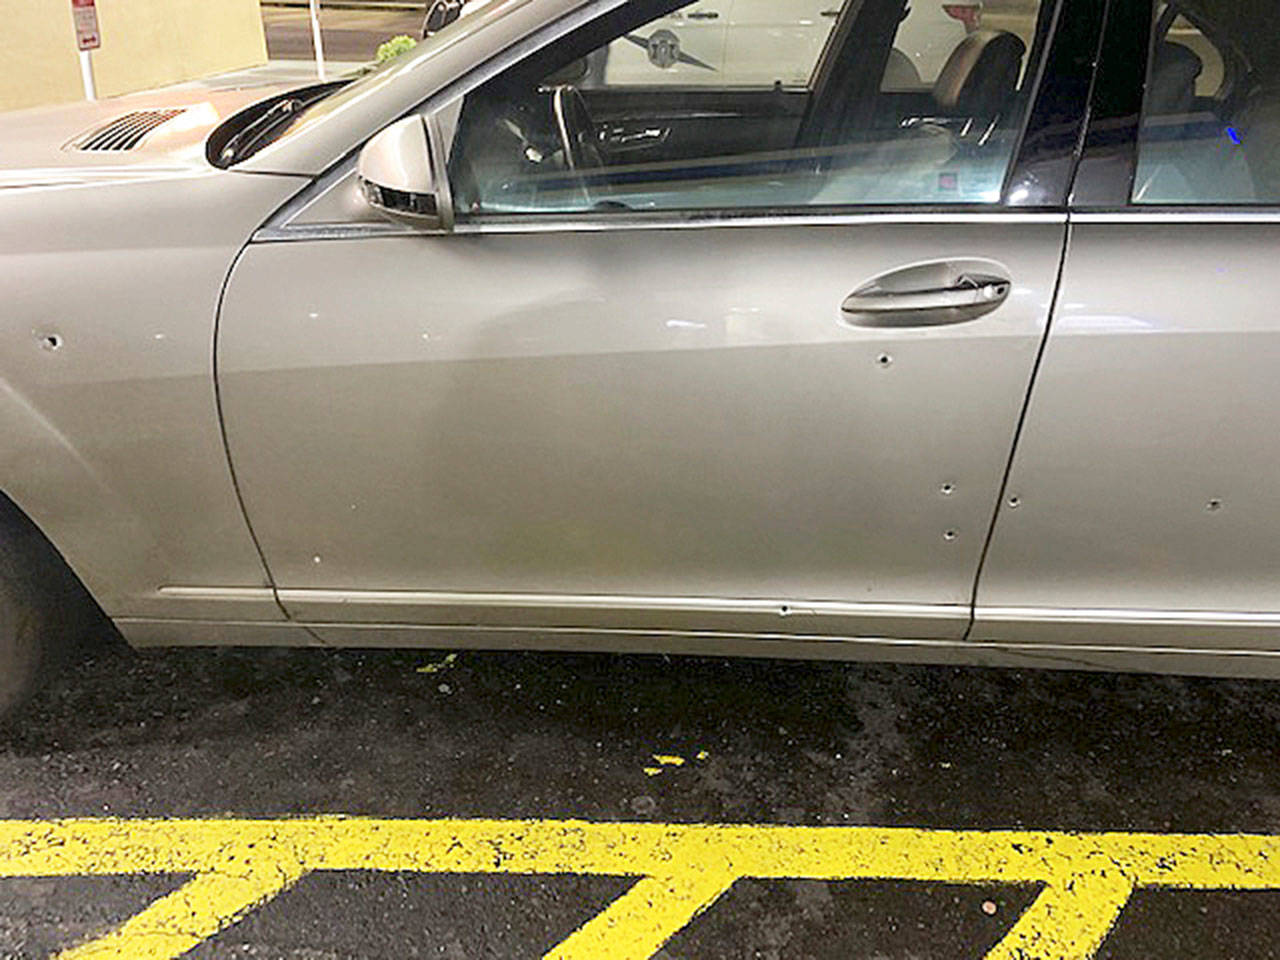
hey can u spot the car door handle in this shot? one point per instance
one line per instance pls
(927, 295)
(702, 15)
(830, 13)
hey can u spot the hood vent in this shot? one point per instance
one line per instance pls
(126, 132)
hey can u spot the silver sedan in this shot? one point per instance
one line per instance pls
(782, 356)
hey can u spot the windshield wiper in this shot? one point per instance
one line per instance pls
(243, 143)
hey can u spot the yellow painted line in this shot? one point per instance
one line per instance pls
(639, 922)
(191, 914)
(681, 869)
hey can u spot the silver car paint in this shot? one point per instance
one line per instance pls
(421, 423)
(36, 143)
(1146, 478)
(111, 267)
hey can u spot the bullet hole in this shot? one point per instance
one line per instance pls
(947, 489)
(1014, 503)
(785, 610)
(51, 342)
(950, 535)
(1214, 505)
(884, 360)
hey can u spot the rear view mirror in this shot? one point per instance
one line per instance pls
(397, 176)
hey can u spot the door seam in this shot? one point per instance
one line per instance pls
(226, 443)
(1018, 427)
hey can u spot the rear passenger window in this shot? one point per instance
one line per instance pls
(733, 104)
(1211, 107)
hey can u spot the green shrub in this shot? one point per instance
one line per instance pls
(394, 47)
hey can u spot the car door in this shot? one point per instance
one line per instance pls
(1142, 507)
(752, 391)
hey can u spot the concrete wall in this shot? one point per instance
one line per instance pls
(37, 53)
(145, 43)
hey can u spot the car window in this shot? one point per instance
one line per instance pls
(721, 43)
(769, 103)
(1212, 66)
(929, 31)
(1210, 131)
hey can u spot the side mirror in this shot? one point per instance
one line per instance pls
(398, 175)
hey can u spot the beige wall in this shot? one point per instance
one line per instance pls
(145, 43)
(37, 53)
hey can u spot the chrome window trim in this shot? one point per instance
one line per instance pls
(710, 219)
(1188, 214)
(330, 231)
(703, 220)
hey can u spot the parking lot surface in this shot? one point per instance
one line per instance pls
(324, 804)
(347, 34)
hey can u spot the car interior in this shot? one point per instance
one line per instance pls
(548, 136)
(1220, 143)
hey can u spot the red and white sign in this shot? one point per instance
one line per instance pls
(85, 15)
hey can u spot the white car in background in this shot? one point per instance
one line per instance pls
(695, 45)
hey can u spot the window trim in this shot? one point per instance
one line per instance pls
(1108, 163)
(1046, 158)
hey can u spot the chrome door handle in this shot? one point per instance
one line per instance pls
(914, 297)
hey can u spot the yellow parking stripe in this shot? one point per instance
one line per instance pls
(681, 869)
(191, 914)
(639, 922)
(1068, 920)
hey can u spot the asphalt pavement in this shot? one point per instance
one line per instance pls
(347, 34)
(254, 734)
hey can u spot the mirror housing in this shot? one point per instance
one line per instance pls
(398, 175)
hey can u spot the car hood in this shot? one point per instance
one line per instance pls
(47, 145)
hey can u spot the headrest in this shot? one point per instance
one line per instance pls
(980, 73)
(1174, 69)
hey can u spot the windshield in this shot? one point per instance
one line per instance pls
(253, 128)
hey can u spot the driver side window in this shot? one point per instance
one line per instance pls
(668, 106)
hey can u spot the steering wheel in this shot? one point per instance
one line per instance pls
(577, 134)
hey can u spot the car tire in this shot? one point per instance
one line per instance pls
(44, 610)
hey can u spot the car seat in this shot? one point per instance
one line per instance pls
(1172, 87)
(980, 76)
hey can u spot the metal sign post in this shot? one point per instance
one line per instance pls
(85, 16)
(316, 40)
